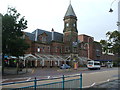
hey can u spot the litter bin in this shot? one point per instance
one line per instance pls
(75, 65)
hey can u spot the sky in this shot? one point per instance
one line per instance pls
(94, 18)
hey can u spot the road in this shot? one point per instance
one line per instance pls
(90, 77)
(95, 78)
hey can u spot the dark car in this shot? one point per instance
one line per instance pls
(65, 66)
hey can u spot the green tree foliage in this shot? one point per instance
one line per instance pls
(104, 45)
(114, 40)
(12, 26)
(113, 44)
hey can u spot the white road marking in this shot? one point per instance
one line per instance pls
(94, 72)
(97, 83)
(93, 84)
(48, 77)
(28, 79)
(108, 80)
(86, 86)
(89, 86)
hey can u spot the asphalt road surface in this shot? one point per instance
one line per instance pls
(90, 77)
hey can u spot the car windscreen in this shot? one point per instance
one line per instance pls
(96, 63)
(90, 63)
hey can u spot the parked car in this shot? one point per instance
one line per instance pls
(109, 64)
(65, 66)
(93, 65)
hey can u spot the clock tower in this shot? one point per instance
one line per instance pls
(70, 36)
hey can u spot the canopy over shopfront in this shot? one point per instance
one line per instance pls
(50, 60)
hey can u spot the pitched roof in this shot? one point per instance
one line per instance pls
(30, 35)
(70, 11)
(57, 36)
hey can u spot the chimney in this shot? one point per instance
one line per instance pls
(36, 33)
(52, 34)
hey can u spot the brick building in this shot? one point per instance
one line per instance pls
(51, 48)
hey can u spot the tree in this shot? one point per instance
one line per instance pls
(106, 46)
(114, 41)
(12, 26)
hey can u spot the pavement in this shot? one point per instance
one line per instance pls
(10, 74)
(13, 71)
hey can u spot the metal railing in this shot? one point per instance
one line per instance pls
(65, 81)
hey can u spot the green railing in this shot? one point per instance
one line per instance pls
(65, 81)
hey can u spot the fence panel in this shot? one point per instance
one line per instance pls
(74, 83)
(71, 81)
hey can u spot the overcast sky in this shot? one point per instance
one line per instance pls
(94, 18)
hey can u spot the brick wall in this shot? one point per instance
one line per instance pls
(57, 48)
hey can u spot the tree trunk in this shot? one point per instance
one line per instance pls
(2, 64)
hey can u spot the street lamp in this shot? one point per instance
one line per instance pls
(111, 10)
(118, 23)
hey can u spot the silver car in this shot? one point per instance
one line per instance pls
(65, 66)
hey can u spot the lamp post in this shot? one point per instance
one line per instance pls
(118, 23)
(111, 10)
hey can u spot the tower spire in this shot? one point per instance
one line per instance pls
(70, 1)
(70, 11)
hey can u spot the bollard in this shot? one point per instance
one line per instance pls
(35, 83)
(63, 79)
(81, 80)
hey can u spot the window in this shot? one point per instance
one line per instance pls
(74, 25)
(38, 49)
(44, 39)
(67, 49)
(74, 50)
(97, 52)
(67, 24)
(48, 49)
(56, 48)
(61, 49)
(43, 49)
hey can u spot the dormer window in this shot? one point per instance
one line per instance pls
(44, 39)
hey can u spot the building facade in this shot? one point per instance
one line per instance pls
(51, 48)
